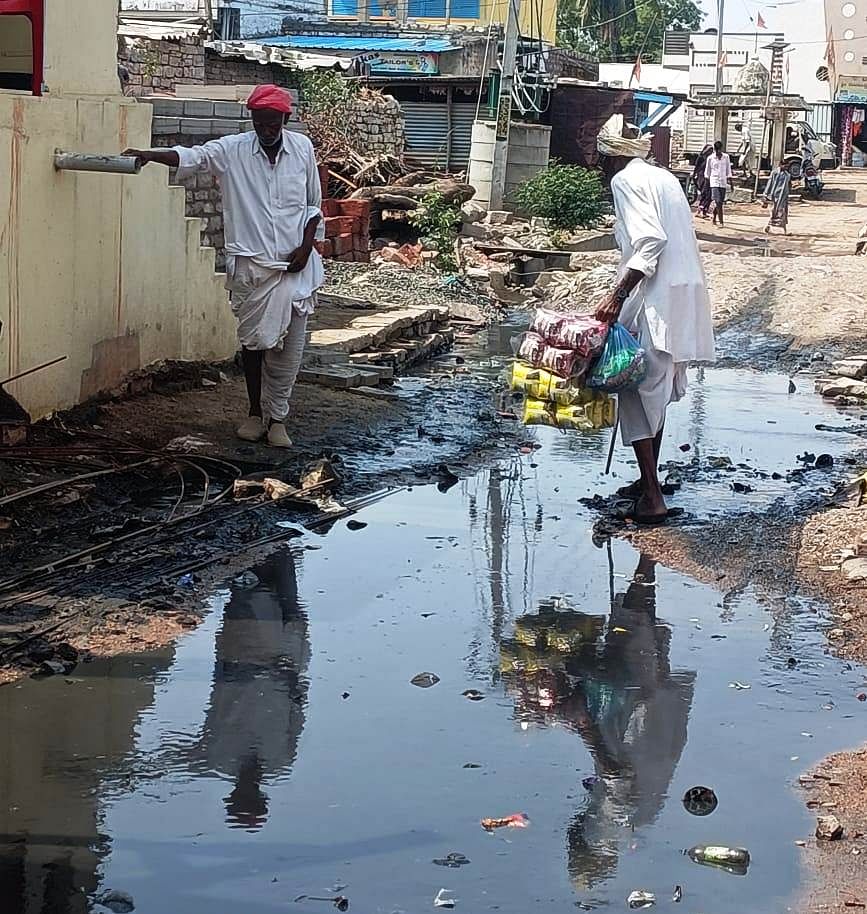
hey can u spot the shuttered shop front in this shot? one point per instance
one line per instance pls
(427, 133)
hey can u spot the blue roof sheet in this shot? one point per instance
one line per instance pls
(347, 43)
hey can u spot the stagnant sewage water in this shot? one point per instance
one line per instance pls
(281, 749)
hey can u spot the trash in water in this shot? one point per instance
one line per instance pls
(742, 488)
(319, 473)
(740, 686)
(678, 894)
(355, 525)
(640, 899)
(516, 820)
(824, 462)
(452, 860)
(474, 695)
(186, 580)
(828, 828)
(472, 765)
(619, 631)
(341, 902)
(440, 901)
(700, 801)
(246, 579)
(118, 902)
(862, 696)
(735, 860)
(425, 680)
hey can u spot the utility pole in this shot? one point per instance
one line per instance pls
(719, 46)
(504, 106)
(209, 18)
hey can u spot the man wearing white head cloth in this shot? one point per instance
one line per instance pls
(661, 296)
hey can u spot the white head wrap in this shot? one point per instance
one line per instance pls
(612, 142)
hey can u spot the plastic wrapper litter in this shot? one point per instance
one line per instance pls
(621, 366)
(597, 412)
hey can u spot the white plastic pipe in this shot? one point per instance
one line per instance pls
(82, 161)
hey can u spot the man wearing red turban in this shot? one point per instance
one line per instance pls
(271, 217)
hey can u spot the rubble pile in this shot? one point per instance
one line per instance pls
(395, 284)
(500, 228)
(848, 384)
(581, 291)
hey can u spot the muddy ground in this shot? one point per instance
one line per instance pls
(793, 304)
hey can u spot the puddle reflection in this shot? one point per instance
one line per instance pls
(257, 705)
(608, 679)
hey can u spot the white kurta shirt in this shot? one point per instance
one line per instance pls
(265, 207)
(655, 234)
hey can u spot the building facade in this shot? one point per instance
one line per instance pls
(846, 55)
(696, 54)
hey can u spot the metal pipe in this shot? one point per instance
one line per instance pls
(82, 161)
(23, 374)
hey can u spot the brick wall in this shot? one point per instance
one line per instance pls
(238, 71)
(375, 124)
(159, 65)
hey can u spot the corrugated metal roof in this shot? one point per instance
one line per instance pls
(360, 44)
(284, 57)
(160, 31)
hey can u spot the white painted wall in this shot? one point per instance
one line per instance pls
(104, 269)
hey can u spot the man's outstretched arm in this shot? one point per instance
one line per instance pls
(168, 157)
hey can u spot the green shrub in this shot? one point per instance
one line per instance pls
(568, 196)
(437, 222)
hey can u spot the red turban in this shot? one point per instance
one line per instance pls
(272, 97)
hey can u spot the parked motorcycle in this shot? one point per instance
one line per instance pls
(813, 183)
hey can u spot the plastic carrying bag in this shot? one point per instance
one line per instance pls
(622, 364)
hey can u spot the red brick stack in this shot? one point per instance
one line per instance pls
(347, 229)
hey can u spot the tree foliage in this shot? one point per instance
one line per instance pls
(618, 30)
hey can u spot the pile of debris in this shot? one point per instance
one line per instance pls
(394, 284)
(500, 228)
(848, 384)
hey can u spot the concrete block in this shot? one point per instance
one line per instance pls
(195, 127)
(165, 126)
(234, 110)
(333, 376)
(194, 107)
(168, 107)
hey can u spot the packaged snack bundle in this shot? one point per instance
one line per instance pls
(530, 349)
(571, 330)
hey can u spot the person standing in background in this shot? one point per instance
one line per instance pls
(701, 182)
(718, 171)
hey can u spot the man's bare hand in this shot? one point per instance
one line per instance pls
(298, 258)
(140, 154)
(609, 309)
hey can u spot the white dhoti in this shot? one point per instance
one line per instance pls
(642, 410)
(270, 320)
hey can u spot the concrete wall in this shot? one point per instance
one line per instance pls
(528, 155)
(101, 268)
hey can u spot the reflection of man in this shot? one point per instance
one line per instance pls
(618, 692)
(271, 200)
(256, 712)
(661, 296)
